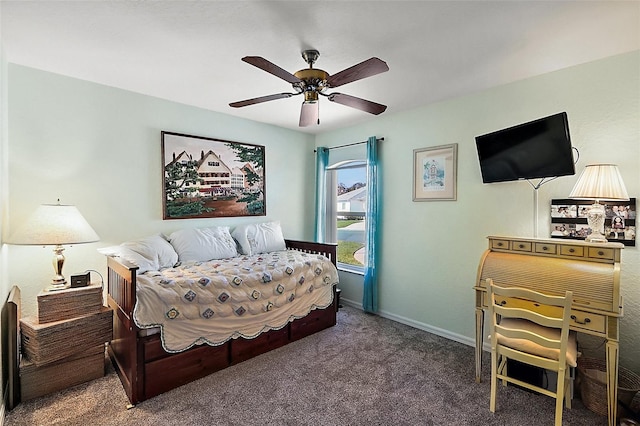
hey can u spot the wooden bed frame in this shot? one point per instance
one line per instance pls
(144, 367)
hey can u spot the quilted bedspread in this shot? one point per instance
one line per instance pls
(212, 302)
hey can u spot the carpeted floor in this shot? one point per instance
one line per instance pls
(366, 370)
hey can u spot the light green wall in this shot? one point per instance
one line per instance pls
(430, 250)
(99, 148)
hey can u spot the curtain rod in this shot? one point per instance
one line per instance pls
(350, 144)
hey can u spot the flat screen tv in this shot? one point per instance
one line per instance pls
(537, 149)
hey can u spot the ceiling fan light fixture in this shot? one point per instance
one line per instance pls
(309, 113)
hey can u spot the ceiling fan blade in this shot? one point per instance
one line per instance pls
(260, 99)
(309, 114)
(361, 104)
(362, 70)
(271, 68)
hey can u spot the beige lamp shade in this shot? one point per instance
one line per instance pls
(54, 224)
(600, 182)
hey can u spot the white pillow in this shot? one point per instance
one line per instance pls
(257, 238)
(130, 256)
(155, 249)
(201, 244)
(149, 254)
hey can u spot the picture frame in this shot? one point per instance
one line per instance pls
(569, 220)
(205, 177)
(435, 173)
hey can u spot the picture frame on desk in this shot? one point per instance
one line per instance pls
(569, 220)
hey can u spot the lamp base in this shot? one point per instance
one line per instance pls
(595, 220)
(596, 239)
(57, 284)
(52, 287)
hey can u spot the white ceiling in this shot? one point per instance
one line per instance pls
(190, 52)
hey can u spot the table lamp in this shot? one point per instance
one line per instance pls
(55, 224)
(599, 182)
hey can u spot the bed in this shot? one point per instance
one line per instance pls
(148, 365)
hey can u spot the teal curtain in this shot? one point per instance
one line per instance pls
(370, 292)
(322, 161)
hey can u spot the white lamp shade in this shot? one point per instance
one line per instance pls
(54, 224)
(600, 182)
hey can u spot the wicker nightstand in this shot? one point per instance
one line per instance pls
(64, 345)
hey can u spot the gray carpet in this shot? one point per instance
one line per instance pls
(366, 370)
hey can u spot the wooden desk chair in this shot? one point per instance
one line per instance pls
(532, 328)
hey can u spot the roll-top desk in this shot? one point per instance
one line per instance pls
(590, 270)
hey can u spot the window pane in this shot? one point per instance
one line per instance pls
(350, 217)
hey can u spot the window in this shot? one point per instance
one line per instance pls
(346, 207)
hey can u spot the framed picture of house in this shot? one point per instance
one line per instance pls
(435, 173)
(207, 177)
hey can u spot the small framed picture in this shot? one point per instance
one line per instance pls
(435, 173)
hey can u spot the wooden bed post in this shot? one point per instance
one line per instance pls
(124, 349)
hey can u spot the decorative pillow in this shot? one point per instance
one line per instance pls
(130, 256)
(201, 244)
(257, 238)
(155, 249)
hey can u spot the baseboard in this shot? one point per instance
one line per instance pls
(350, 303)
(469, 341)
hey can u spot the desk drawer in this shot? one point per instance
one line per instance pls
(588, 321)
(546, 248)
(514, 302)
(601, 253)
(580, 320)
(572, 251)
(521, 246)
(500, 244)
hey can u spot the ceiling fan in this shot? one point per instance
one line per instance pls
(313, 82)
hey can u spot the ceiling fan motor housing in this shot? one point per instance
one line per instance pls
(312, 74)
(313, 81)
